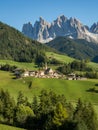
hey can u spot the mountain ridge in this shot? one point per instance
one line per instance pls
(44, 31)
(78, 48)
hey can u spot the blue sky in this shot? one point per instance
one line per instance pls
(17, 12)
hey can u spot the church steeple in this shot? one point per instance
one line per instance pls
(46, 66)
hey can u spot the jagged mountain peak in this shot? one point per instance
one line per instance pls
(59, 21)
(44, 31)
(28, 24)
(95, 23)
(42, 21)
(62, 18)
(41, 18)
(73, 19)
(94, 28)
(27, 29)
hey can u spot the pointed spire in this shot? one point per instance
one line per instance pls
(46, 66)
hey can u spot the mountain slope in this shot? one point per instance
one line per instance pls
(79, 49)
(15, 46)
(43, 31)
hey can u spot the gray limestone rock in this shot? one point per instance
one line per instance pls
(43, 31)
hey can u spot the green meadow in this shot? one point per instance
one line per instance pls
(59, 57)
(67, 59)
(22, 65)
(32, 66)
(6, 127)
(71, 89)
(93, 65)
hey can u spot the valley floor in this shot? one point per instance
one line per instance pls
(72, 90)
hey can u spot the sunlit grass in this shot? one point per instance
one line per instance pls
(6, 127)
(23, 65)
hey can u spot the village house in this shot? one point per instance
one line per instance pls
(26, 74)
(17, 71)
(32, 73)
(49, 71)
(41, 73)
(73, 76)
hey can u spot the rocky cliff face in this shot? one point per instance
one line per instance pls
(94, 28)
(41, 30)
(62, 26)
(28, 30)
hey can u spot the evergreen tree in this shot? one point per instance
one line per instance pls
(7, 107)
(21, 99)
(34, 105)
(60, 115)
(40, 59)
(85, 116)
(90, 117)
(21, 114)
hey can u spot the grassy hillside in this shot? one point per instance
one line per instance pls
(32, 66)
(22, 65)
(6, 127)
(67, 59)
(79, 49)
(60, 57)
(15, 46)
(93, 65)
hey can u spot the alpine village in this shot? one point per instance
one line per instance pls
(49, 76)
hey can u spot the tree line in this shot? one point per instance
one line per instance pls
(41, 60)
(48, 111)
(78, 66)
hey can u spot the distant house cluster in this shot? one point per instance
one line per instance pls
(46, 73)
(73, 76)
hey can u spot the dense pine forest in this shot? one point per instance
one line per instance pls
(49, 111)
(15, 46)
